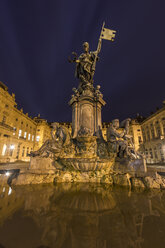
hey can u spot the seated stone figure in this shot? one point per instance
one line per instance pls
(115, 138)
(121, 142)
(60, 138)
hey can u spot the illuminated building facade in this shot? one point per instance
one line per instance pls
(153, 130)
(19, 133)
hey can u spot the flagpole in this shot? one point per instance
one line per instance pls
(100, 40)
(97, 52)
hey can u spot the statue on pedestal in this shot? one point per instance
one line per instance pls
(86, 62)
(87, 100)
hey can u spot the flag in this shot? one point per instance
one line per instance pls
(108, 34)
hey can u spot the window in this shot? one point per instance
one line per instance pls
(148, 134)
(140, 139)
(4, 119)
(37, 138)
(144, 135)
(158, 131)
(11, 153)
(155, 153)
(11, 150)
(25, 134)
(4, 150)
(29, 136)
(162, 153)
(146, 153)
(27, 152)
(151, 154)
(18, 150)
(14, 130)
(152, 131)
(20, 133)
(164, 128)
(32, 137)
(23, 151)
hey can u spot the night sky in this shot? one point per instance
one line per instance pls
(37, 36)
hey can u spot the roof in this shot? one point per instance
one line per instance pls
(3, 86)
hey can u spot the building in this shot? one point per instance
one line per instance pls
(136, 132)
(19, 133)
(153, 130)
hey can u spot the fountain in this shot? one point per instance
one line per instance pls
(84, 155)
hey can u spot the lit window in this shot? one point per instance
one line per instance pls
(19, 133)
(37, 138)
(11, 150)
(29, 136)
(32, 137)
(4, 149)
(12, 147)
(25, 134)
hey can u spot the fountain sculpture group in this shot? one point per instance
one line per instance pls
(84, 155)
(86, 150)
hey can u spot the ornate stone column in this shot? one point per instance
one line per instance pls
(86, 110)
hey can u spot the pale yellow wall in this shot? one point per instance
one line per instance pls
(136, 132)
(12, 121)
(153, 129)
(43, 133)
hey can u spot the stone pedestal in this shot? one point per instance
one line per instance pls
(42, 165)
(86, 109)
